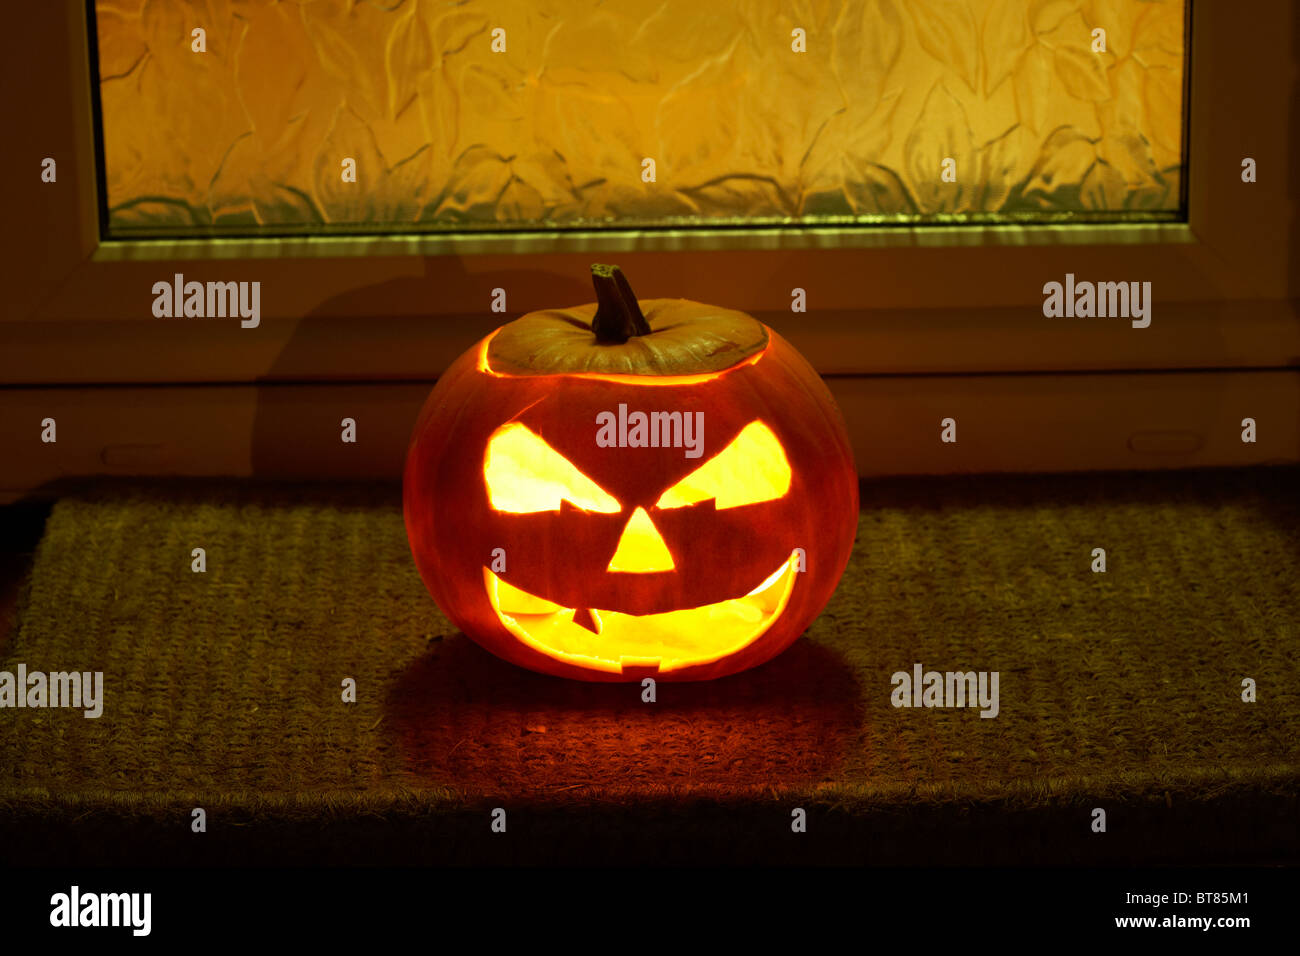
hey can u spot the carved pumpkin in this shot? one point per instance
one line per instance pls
(625, 489)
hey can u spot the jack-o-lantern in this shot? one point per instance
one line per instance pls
(625, 489)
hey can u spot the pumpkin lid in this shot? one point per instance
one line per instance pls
(619, 335)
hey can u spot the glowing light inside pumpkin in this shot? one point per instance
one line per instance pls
(526, 475)
(752, 468)
(641, 549)
(664, 642)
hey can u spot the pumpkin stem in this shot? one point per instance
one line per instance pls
(618, 316)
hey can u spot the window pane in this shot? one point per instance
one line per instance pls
(251, 136)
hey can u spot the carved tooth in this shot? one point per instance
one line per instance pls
(584, 618)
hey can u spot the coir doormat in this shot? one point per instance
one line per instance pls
(1118, 691)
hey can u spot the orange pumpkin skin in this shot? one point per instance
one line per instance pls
(564, 555)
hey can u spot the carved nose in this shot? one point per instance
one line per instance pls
(641, 549)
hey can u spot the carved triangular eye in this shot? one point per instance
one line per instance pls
(524, 475)
(752, 468)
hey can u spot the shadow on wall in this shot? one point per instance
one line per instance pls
(297, 428)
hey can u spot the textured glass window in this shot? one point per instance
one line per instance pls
(908, 111)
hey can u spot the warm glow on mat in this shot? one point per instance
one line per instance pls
(664, 642)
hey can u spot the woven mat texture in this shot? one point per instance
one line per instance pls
(223, 688)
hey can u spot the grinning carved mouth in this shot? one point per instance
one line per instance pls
(663, 642)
